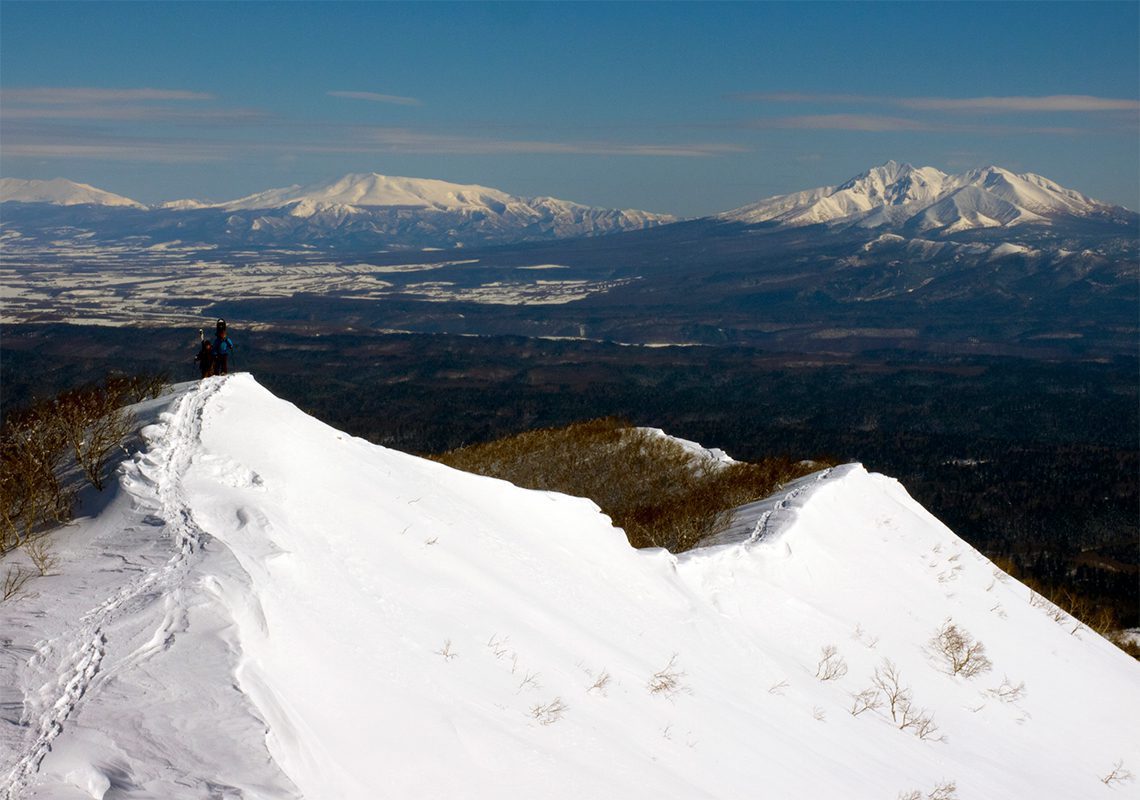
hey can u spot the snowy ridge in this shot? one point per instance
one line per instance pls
(281, 610)
(924, 199)
(59, 192)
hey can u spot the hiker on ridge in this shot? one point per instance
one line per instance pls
(205, 357)
(222, 349)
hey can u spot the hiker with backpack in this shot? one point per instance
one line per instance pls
(222, 348)
(205, 356)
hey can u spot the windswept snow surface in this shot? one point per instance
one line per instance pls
(268, 607)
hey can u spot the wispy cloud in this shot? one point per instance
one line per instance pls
(128, 113)
(841, 122)
(374, 97)
(23, 140)
(1056, 102)
(406, 140)
(88, 95)
(1011, 104)
(126, 149)
(119, 105)
(876, 123)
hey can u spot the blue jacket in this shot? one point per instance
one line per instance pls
(223, 346)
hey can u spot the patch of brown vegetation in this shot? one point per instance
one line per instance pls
(650, 486)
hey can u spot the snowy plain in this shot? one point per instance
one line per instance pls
(265, 607)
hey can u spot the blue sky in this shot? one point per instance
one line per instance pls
(671, 107)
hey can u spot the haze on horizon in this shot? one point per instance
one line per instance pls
(678, 108)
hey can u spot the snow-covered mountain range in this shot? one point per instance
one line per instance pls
(416, 212)
(925, 199)
(391, 210)
(266, 607)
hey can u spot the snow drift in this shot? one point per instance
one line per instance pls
(267, 607)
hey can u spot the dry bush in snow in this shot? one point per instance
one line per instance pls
(39, 551)
(600, 682)
(1118, 774)
(95, 425)
(667, 680)
(549, 713)
(14, 580)
(831, 665)
(866, 700)
(1007, 692)
(32, 445)
(888, 681)
(962, 654)
(946, 790)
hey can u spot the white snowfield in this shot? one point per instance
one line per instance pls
(268, 608)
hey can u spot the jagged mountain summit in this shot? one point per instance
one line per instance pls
(925, 199)
(267, 607)
(60, 192)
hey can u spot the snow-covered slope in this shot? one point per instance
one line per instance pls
(925, 198)
(59, 192)
(270, 608)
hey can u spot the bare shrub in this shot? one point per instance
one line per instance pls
(947, 790)
(549, 713)
(446, 651)
(130, 389)
(95, 425)
(866, 700)
(1118, 774)
(499, 646)
(1007, 692)
(831, 665)
(1062, 604)
(778, 687)
(39, 550)
(650, 486)
(600, 683)
(32, 444)
(667, 680)
(888, 681)
(529, 681)
(917, 720)
(14, 581)
(962, 654)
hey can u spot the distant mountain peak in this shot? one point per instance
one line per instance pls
(60, 192)
(373, 189)
(925, 198)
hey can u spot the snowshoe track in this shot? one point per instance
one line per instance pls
(79, 653)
